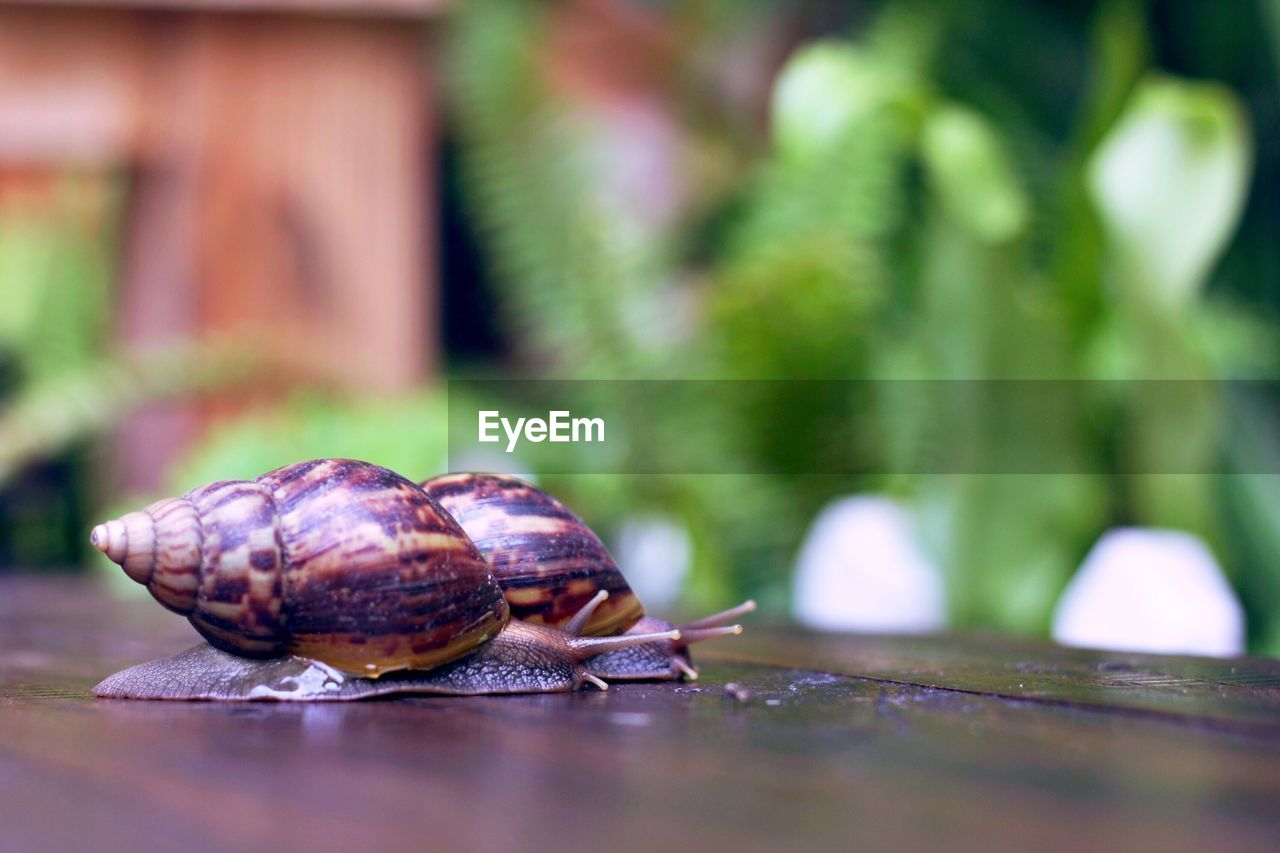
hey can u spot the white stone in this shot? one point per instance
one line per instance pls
(862, 568)
(1149, 590)
(655, 553)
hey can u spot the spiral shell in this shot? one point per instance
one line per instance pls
(336, 560)
(547, 560)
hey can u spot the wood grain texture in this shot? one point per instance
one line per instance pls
(1242, 693)
(281, 193)
(817, 757)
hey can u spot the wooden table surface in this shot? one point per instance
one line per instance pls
(844, 742)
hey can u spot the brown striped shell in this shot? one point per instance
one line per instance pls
(547, 560)
(336, 560)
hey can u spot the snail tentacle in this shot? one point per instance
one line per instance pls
(667, 660)
(575, 625)
(688, 635)
(587, 647)
(684, 668)
(722, 617)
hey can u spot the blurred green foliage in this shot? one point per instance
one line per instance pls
(55, 259)
(958, 191)
(55, 273)
(405, 434)
(62, 380)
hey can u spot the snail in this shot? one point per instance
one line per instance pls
(550, 564)
(333, 579)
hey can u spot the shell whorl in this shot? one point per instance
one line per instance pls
(547, 560)
(341, 561)
(159, 547)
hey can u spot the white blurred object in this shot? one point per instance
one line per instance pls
(1170, 181)
(654, 553)
(1147, 590)
(485, 462)
(862, 568)
(824, 89)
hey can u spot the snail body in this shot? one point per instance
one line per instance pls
(549, 564)
(523, 658)
(343, 567)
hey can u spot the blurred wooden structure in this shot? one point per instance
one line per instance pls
(277, 156)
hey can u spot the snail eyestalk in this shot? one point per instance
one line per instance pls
(585, 647)
(579, 621)
(716, 619)
(697, 635)
(668, 660)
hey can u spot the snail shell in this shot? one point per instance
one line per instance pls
(335, 560)
(548, 561)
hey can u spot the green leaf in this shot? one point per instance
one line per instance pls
(1169, 182)
(972, 174)
(824, 89)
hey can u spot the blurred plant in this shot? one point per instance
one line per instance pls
(582, 272)
(1169, 182)
(587, 280)
(61, 382)
(54, 238)
(54, 274)
(45, 417)
(407, 434)
(917, 213)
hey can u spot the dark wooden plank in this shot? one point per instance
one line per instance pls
(810, 759)
(1240, 692)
